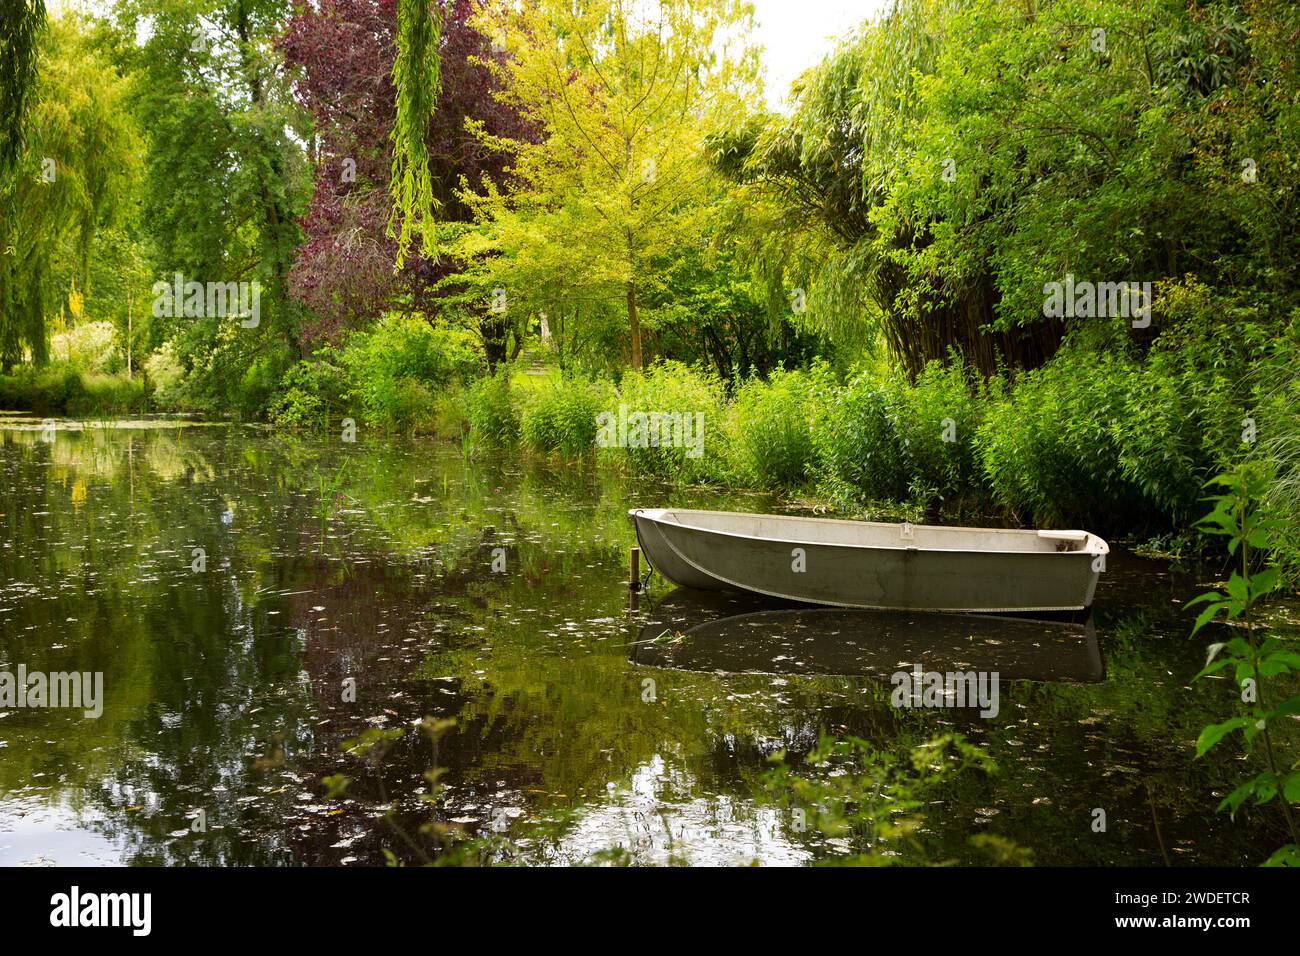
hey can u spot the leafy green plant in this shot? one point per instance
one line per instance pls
(1256, 665)
(1050, 452)
(396, 370)
(674, 389)
(493, 411)
(770, 438)
(883, 438)
(311, 392)
(562, 419)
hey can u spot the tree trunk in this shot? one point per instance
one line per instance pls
(634, 326)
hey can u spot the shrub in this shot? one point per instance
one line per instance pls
(493, 411)
(396, 370)
(562, 418)
(1278, 443)
(770, 437)
(310, 392)
(678, 394)
(1052, 451)
(857, 441)
(89, 346)
(165, 374)
(941, 414)
(881, 437)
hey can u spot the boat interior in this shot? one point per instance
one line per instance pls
(873, 534)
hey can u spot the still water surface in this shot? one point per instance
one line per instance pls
(373, 561)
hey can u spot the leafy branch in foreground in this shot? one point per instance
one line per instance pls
(1253, 662)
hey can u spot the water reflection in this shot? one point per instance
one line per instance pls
(711, 631)
(223, 686)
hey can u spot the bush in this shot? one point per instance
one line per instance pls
(401, 374)
(882, 438)
(857, 440)
(562, 418)
(166, 375)
(493, 411)
(689, 444)
(1185, 407)
(770, 436)
(310, 392)
(89, 346)
(942, 413)
(1052, 452)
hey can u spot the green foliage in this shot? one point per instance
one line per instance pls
(166, 375)
(769, 429)
(694, 397)
(396, 370)
(23, 22)
(1051, 452)
(1257, 666)
(493, 411)
(562, 419)
(883, 438)
(417, 80)
(67, 184)
(64, 389)
(311, 392)
(88, 345)
(1277, 410)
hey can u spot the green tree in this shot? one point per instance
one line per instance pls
(623, 95)
(226, 179)
(79, 159)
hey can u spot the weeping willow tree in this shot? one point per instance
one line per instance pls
(832, 166)
(417, 80)
(21, 22)
(20, 27)
(63, 186)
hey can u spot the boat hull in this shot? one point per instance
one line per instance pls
(975, 570)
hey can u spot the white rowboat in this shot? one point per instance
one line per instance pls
(869, 564)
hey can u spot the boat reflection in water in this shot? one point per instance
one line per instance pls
(717, 631)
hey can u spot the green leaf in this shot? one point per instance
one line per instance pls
(1233, 801)
(1205, 617)
(1288, 855)
(1212, 734)
(1265, 581)
(1291, 787)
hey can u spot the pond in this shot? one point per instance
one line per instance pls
(342, 587)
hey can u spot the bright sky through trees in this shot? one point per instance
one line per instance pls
(798, 34)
